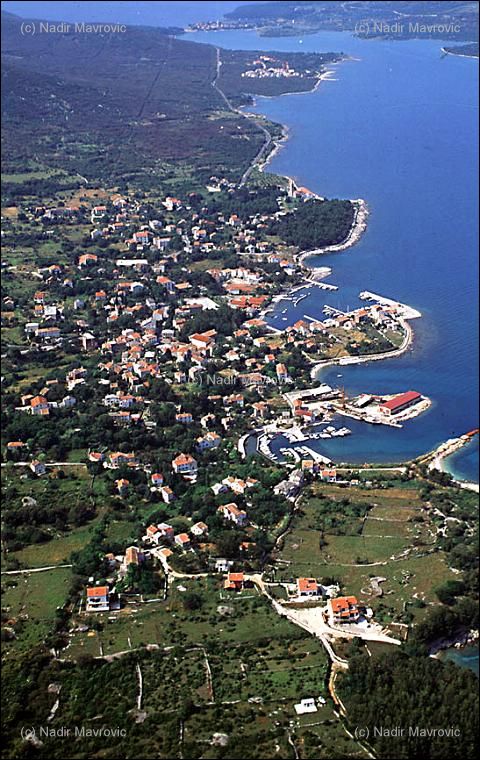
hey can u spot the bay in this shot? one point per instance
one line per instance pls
(140, 13)
(398, 128)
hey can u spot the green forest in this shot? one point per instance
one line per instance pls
(315, 223)
(415, 695)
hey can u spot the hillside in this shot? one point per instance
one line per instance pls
(109, 106)
(394, 20)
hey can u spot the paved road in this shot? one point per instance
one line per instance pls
(47, 464)
(33, 570)
(268, 137)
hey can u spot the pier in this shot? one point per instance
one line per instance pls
(407, 312)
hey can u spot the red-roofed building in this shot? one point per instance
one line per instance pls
(185, 464)
(183, 540)
(199, 529)
(400, 403)
(307, 587)
(329, 475)
(343, 609)
(234, 582)
(157, 479)
(97, 599)
(39, 405)
(233, 513)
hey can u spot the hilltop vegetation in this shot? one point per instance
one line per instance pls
(129, 85)
(154, 112)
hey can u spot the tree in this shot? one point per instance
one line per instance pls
(192, 601)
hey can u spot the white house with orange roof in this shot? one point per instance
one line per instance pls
(343, 609)
(182, 540)
(210, 440)
(199, 529)
(205, 340)
(40, 406)
(234, 514)
(97, 599)
(328, 474)
(167, 494)
(234, 582)
(308, 587)
(185, 465)
(185, 418)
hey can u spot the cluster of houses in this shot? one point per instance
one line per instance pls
(148, 295)
(130, 358)
(268, 67)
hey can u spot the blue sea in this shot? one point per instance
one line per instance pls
(398, 128)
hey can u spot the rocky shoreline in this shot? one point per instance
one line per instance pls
(463, 638)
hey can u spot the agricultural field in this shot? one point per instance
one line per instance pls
(215, 614)
(393, 539)
(199, 689)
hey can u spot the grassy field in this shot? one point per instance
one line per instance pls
(57, 551)
(249, 619)
(52, 491)
(260, 666)
(30, 601)
(294, 671)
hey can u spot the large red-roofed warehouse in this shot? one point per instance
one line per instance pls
(401, 402)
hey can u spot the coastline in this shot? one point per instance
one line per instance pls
(436, 458)
(461, 639)
(458, 55)
(359, 225)
(279, 143)
(345, 360)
